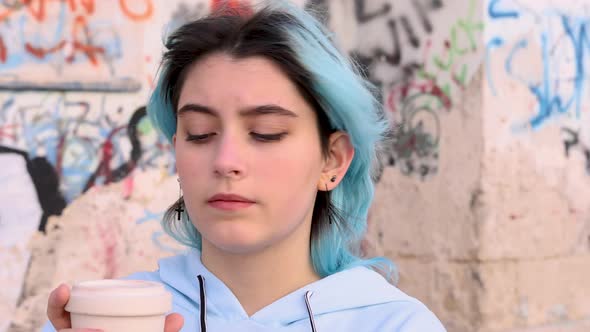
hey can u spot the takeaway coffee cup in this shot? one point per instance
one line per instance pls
(119, 305)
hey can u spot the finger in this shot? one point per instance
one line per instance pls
(59, 317)
(174, 323)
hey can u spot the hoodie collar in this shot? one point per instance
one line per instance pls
(181, 272)
(364, 287)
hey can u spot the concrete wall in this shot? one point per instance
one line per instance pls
(535, 220)
(483, 197)
(499, 239)
(91, 132)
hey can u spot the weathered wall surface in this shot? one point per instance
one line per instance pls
(499, 239)
(425, 211)
(76, 76)
(483, 197)
(535, 223)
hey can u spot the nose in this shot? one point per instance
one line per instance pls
(228, 158)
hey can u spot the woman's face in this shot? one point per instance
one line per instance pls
(244, 129)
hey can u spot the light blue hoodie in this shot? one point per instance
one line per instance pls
(357, 299)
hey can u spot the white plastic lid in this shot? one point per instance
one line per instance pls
(111, 297)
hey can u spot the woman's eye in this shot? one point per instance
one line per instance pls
(197, 138)
(268, 138)
(257, 136)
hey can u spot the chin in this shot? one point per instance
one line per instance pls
(240, 248)
(237, 241)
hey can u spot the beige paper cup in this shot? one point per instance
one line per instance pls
(119, 305)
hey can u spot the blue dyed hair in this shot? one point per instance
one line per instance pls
(333, 85)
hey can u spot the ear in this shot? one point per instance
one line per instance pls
(341, 153)
(174, 140)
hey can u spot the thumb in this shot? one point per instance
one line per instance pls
(174, 323)
(59, 317)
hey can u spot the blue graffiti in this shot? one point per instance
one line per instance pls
(149, 216)
(508, 65)
(551, 100)
(18, 56)
(156, 235)
(9, 103)
(71, 137)
(581, 43)
(22, 29)
(555, 95)
(492, 44)
(496, 12)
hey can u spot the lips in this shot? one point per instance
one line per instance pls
(229, 198)
(230, 203)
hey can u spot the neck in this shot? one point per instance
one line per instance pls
(259, 278)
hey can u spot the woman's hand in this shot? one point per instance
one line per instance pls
(60, 318)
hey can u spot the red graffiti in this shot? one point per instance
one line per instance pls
(241, 6)
(80, 27)
(40, 52)
(107, 155)
(38, 8)
(429, 88)
(37, 13)
(104, 167)
(88, 5)
(5, 14)
(109, 235)
(80, 40)
(128, 186)
(3, 51)
(4, 129)
(91, 51)
(137, 16)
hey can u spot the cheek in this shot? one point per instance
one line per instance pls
(189, 163)
(288, 172)
(291, 189)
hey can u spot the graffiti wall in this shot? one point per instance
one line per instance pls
(536, 119)
(488, 102)
(72, 45)
(74, 79)
(76, 75)
(422, 54)
(544, 49)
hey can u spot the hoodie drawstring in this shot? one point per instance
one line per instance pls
(308, 294)
(203, 306)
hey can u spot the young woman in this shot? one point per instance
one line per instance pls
(275, 134)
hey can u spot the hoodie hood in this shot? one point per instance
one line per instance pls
(356, 299)
(187, 275)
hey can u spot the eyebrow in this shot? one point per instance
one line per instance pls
(248, 112)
